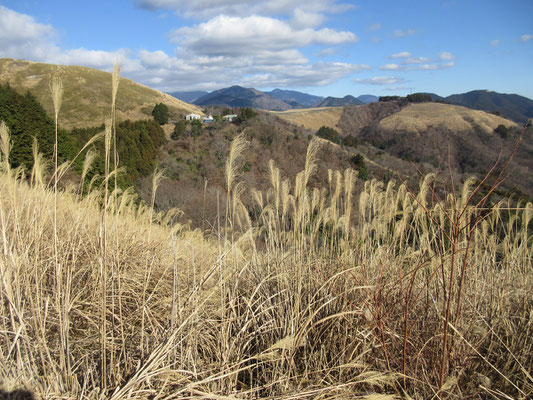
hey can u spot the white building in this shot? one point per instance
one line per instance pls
(191, 117)
(229, 117)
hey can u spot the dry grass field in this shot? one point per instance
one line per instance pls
(323, 293)
(419, 118)
(312, 118)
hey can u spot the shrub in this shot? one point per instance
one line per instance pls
(502, 130)
(330, 134)
(358, 162)
(179, 129)
(419, 98)
(351, 141)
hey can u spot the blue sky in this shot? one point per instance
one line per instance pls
(322, 47)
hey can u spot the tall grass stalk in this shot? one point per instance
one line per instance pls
(330, 292)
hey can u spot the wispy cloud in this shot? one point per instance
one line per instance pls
(381, 80)
(242, 8)
(326, 52)
(375, 27)
(403, 33)
(415, 60)
(526, 38)
(403, 54)
(396, 88)
(446, 55)
(390, 67)
(416, 66)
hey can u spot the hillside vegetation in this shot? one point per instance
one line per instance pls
(300, 288)
(396, 293)
(87, 93)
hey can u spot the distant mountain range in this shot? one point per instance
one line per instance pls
(340, 102)
(368, 98)
(295, 99)
(511, 106)
(189, 97)
(238, 96)
(275, 100)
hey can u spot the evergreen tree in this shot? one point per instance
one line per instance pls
(27, 119)
(160, 113)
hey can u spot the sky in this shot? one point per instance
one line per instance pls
(322, 47)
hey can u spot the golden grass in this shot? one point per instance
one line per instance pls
(418, 118)
(313, 293)
(312, 118)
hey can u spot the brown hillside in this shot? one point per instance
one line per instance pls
(87, 93)
(419, 118)
(312, 118)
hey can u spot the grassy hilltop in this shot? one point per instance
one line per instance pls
(87, 93)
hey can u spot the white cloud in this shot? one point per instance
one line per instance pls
(304, 19)
(403, 54)
(446, 55)
(418, 64)
(494, 42)
(390, 67)
(318, 74)
(400, 33)
(223, 51)
(232, 36)
(375, 27)
(430, 67)
(396, 88)
(526, 38)
(211, 8)
(415, 60)
(23, 37)
(381, 80)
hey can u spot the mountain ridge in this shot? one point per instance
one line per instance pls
(513, 106)
(339, 102)
(238, 96)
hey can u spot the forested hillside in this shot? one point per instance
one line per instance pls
(26, 120)
(138, 141)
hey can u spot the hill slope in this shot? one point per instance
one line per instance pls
(87, 93)
(433, 135)
(512, 106)
(312, 118)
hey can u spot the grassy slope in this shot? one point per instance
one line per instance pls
(313, 118)
(322, 295)
(419, 118)
(87, 93)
